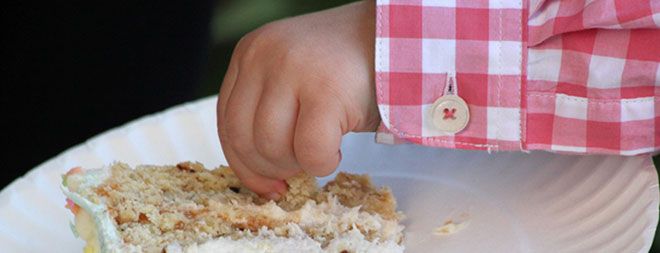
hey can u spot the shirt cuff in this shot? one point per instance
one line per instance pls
(420, 43)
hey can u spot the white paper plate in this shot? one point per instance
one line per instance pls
(515, 202)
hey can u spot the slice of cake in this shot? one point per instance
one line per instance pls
(187, 208)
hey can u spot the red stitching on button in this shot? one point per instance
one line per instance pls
(449, 114)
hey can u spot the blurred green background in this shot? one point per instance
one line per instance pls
(232, 19)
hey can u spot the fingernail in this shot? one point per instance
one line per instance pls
(273, 196)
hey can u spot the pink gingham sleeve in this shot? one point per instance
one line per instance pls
(562, 76)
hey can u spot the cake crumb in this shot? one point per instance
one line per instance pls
(451, 226)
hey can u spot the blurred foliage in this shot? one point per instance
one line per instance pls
(233, 19)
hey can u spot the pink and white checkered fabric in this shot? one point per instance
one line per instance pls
(565, 76)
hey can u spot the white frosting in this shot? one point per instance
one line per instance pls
(106, 233)
(298, 241)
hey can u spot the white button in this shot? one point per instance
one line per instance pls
(450, 114)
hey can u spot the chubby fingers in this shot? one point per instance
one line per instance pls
(236, 111)
(274, 125)
(264, 186)
(318, 134)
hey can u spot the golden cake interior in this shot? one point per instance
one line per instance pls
(154, 206)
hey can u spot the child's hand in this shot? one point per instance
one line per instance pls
(293, 88)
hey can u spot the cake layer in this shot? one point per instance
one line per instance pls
(186, 208)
